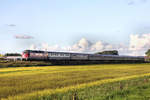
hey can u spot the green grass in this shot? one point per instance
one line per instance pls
(29, 81)
(6, 64)
(131, 89)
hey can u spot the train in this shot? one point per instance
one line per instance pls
(68, 57)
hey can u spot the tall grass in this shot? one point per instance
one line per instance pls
(5, 63)
(37, 82)
(89, 89)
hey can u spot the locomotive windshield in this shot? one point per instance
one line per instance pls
(25, 54)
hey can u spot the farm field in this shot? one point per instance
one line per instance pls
(130, 89)
(6, 64)
(73, 82)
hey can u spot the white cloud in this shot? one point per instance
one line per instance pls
(133, 2)
(138, 44)
(23, 36)
(11, 25)
(82, 45)
(45, 46)
(98, 46)
(33, 47)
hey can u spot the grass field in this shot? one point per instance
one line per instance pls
(6, 64)
(54, 82)
(130, 89)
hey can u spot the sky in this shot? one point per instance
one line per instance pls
(75, 25)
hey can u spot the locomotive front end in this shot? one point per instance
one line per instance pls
(25, 55)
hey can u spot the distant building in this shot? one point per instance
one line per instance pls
(14, 58)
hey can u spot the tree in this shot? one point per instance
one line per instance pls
(111, 52)
(148, 52)
(12, 54)
(147, 58)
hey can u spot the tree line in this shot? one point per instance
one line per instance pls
(12, 54)
(111, 52)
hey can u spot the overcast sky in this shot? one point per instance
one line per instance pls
(75, 25)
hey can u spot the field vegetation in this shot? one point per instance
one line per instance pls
(7, 63)
(137, 88)
(78, 82)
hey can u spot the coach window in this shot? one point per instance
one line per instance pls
(66, 55)
(54, 54)
(51, 54)
(61, 55)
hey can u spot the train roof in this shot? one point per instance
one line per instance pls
(41, 51)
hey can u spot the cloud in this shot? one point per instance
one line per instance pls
(33, 47)
(45, 46)
(144, 1)
(138, 45)
(11, 25)
(133, 2)
(139, 42)
(83, 45)
(97, 46)
(23, 37)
